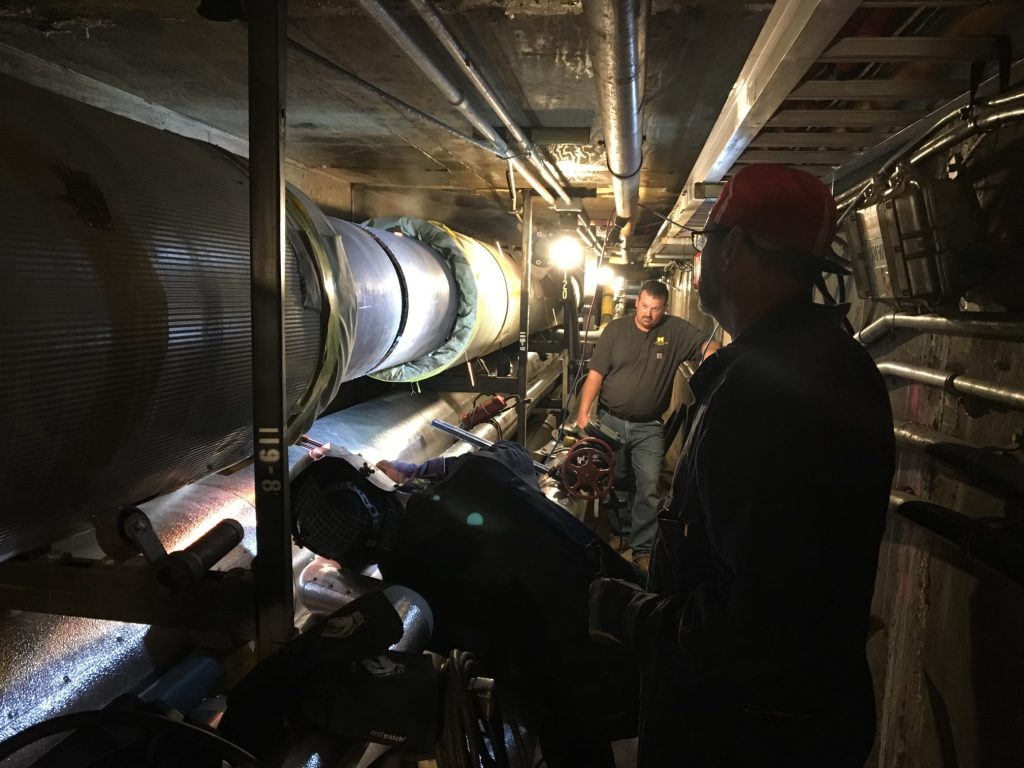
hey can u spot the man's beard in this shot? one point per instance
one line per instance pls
(709, 297)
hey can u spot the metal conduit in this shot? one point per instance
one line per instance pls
(451, 92)
(305, 49)
(987, 120)
(987, 326)
(952, 382)
(428, 12)
(614, 28)
(127, 368)
(959, 133)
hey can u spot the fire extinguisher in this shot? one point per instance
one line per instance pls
(487, 409)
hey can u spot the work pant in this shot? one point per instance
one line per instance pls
(640, 457)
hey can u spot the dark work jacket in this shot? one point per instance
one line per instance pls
(764, 563)
(506, 572)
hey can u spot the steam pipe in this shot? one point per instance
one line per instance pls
(428, 12)
(975, 126)
(987, 326)
(614, 28)
(53, 658)
(952, 382)
(977, 123)
(449, 90)
(128, 369)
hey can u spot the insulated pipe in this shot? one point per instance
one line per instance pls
(952, 382)
(614, 28)
(428, 12)
(126, 367)
(52, 660)
(451, 92)
(505, 423)
(988, 326)
(407, 297)
(979, 123)
(489, 287)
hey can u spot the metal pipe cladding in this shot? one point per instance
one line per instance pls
(126, 369)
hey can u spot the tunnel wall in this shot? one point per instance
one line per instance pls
(945, 647)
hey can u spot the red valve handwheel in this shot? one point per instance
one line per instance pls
(587, 471)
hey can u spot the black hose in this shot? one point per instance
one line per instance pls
(976, 539)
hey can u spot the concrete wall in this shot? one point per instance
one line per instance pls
(947, 648)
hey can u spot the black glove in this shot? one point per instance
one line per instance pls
(608, 601)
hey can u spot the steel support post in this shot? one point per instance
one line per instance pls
(267, 99)
(524, 315)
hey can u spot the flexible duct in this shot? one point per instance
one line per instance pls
(126, 365)
(616, 29)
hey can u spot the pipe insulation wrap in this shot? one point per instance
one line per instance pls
(126, 365)
(488, 286)
(126, 355)
(616, 30)
(407, 297)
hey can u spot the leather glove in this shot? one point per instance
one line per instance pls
(608, 601)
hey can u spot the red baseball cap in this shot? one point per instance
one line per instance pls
(781, 209)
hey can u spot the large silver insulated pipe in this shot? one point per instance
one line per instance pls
(51, 662)
(125, 359)
(617, 33)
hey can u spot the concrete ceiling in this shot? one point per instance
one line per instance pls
(160, 62)
(534, 52)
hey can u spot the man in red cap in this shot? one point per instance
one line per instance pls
(751, 632)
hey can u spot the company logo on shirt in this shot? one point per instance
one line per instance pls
(660, 341)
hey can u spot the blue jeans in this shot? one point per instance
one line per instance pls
(641, 456)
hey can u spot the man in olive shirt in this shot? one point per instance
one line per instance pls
(632, 370)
